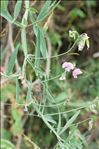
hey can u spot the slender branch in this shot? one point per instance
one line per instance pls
(34, 145)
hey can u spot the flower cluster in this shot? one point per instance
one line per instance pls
(81, 41)
(68, 66)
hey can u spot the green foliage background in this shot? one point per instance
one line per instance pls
(37, 109)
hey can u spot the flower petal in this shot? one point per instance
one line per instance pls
(68, 66)
(76, 72)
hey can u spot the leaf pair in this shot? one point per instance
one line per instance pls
(5, 13)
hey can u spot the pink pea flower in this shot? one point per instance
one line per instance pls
(76, 72)
(68, 66)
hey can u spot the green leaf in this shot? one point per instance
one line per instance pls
(37, 52)
(33, 10)
(4, 4)
(6, 134)
(25, 16)
(4, 11)
(7, 16)
(31, 17)
(12, 60)
(70, 121)
(23, 32)
(47, 123)
(17, 127)
(43, 47)
(71, 135)
(61, 97)
(7, 91)
(24, 41)
(59, 121)
(50, 119)
(77, 12)
(40, 44)
(44, 10)
(55, 38)
(15, 114)
(61, 8)
(17, 8)
(5, 144)
(48, 7)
